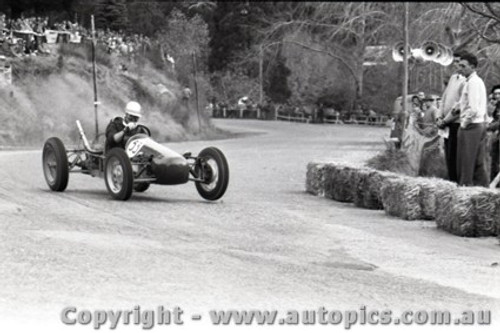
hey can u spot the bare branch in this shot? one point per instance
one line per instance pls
(340, 59)
(479, 12)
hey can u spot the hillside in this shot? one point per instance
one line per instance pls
(49, 93)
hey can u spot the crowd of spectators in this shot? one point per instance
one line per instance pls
(31, 34)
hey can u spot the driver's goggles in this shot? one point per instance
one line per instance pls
(133, 119)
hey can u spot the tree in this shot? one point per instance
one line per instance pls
(182, 37)
(277, 85)
(112, 14)
(345, 29)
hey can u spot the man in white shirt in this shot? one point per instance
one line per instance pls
(448, 117)
(471, 168)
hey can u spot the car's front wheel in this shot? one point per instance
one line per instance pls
(118, 174)
(55, 164)
(212, 167)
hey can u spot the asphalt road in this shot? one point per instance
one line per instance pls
(266, 244)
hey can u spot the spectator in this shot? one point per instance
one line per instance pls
(427, 123)
(471, 169)
(372, 116)
(494, 129)
(321, 113)
(242, 105)
(186, 95)
(398, 124)
(448, 117)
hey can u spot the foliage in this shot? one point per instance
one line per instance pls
(112, 14)
(277, 86)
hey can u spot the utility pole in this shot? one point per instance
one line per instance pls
(94, 75)
(405, 57)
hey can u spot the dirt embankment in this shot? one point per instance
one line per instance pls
(49, 93)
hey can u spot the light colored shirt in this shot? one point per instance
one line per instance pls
(473, 101)
(451, 95)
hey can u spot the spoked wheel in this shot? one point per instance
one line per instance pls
(118, 174)
(141, 187)
(55, 164)
(212, 167)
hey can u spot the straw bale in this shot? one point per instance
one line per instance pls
(337, 182)
(401, 197)
(428, 189)
(469, 212)
(359, 178)
(463, 220)
(486, 205)
(315, 178)
(443, 206)
(373, 187)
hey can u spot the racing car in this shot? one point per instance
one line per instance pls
(141, 163)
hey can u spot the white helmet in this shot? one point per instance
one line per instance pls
(133, 109)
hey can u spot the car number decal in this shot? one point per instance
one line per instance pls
(134, 147)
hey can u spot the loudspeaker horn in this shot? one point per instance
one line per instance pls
(398, 51)
(430, 51)
(444, 56)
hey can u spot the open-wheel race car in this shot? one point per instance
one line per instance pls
(141, 163)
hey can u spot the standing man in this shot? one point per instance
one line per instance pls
(471, 169)
(448, 119)
(186, 95)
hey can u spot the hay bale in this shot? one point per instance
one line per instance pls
(486, 205)
(359, 179)
(428, 189)
(372, 188)
(338, 182)
(315, 178)
(443, 205)
(469, 212)
(462, 213)
(401, 197)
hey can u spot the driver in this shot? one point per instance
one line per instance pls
(121, 129)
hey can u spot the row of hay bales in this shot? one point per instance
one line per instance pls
(463, 211)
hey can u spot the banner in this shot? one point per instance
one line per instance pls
(51, 36)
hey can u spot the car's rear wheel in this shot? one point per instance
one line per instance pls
(118, 174)
(141, 187)
(212, 167)
(55, 164)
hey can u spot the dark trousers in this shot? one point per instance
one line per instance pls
(495, 157)
(450, 151)
(471, 169)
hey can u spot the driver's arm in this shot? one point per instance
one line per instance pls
(118, 136)
(114, 134)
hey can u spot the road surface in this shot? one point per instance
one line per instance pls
(266, 244)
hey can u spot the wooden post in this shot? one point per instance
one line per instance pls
(94, 76)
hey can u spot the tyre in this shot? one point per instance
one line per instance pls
(212, 167)
(55, 164)
(118, 174)
(141, 187)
